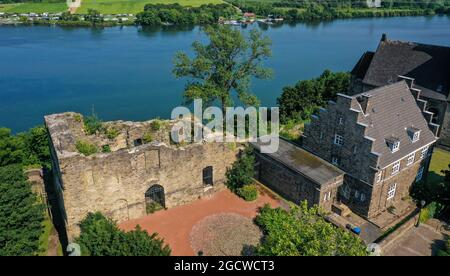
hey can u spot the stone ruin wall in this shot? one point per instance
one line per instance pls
(115, 183)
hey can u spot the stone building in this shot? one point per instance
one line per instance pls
(382, 139)
(134, 174)
(299, 175)
(427, 66)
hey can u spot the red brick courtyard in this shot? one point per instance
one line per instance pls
(175, 224)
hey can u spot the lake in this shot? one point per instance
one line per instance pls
(125, 72)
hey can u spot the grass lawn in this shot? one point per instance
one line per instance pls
(439, 161)
(44, 238)
(134, 6)
(33, 7)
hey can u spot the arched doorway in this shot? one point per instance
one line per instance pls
(155, 199)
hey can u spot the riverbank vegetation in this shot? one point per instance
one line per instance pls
(176, 14)
(309, 10)
(136, 6)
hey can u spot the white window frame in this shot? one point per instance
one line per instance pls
(416, 136)
(395, 146)
(379, 176)
(395, 168)
(419, 175)
(347, 191)
(334, 160)
(338, 140)
(424, 152)
(327, 196)
(411, 158)
(391, 191)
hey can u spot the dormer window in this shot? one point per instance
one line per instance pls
(393, 144)
(413, 133)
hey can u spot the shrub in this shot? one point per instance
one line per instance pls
(303, 231)
(148, 138)
(242, 171)
(92, 124)
(248, 192)
(112, 133)
(155, 125)
(106, 148)
(77, 118)
(86, 148)
(101, 236)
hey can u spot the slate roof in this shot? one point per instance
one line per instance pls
(360, 69)
(429, 65)
(391, 111)
(304, 162)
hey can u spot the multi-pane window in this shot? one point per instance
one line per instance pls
(395, 146)
(363, 197)
(338, 140)
(424, 152)
(379, 176)
(410, 159)
(346, 192)
(419, 174)
(396, 167)
(416, 136)
(327, 196)
(391, 191)
(335, 160)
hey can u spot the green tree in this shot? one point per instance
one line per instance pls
(225, 64)
(433, 192)
(304, 232)
(242, 171)
(93, 16)
(101, 236)
(21, 215)
(27, 148)
(302, 100)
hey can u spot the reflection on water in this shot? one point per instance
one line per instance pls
(126, 72)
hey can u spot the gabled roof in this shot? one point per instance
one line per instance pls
(360, 69)
(392, 110)
(429, 65)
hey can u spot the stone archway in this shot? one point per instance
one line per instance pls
(155, 198)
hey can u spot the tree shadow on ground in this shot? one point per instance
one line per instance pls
(438, 245)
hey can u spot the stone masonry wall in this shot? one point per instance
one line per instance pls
(294, 186)
(115, 184)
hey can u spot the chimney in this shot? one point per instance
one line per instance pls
(383, 37)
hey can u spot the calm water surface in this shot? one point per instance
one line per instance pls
(125, 73)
